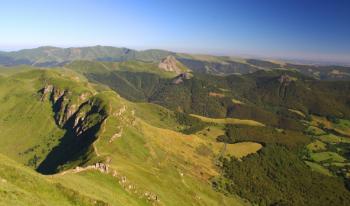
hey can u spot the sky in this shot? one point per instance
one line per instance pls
(294, 29)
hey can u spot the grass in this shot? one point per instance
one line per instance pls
(332, 138)
(156, 115)
(20, 185)
(97, 185)
(327, 156)
(236, 101)
(242, 149)
(315, 131)
(230, 121)
(27, 125)
(297, 112)
(343, 127)
(165, 162)
(153, 157)
(316, 146)
(318, 168)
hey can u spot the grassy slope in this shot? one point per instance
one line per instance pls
(25, 122)
(22, 186)
(154, 158)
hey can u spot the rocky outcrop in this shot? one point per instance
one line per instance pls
(116, 135)
(122, 180)
(64, 104)
(180, 78)
(170, 64)
(286, 79)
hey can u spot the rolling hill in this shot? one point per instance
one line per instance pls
(132, 132)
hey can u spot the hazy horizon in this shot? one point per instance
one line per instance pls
(292, 59)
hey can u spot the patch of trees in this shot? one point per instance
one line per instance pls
(263, 135)
(191, 124)
(277, 176)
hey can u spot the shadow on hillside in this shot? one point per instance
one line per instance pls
(72, 150)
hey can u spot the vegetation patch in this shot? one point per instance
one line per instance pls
(230, 121)
(312, 130)
(327, 157)
(332, 138)
(316, 146)
(297, 112)
(318, 168)
(236, 101)
(242, 149)
(276, 176)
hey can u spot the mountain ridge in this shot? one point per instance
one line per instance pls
(48, 56)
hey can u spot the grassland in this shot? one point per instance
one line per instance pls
(143, 145)
(27, 125)
(236, 101)
(327, 156)
(342, 127)
(242, 149)
(156, 115)
(316, 146)
(332, 138)
(138, 140)
(318, 168)
(297, 112)
(233, 121)
(20, 185)
(327, 153)
(154, 158)
(313, 130)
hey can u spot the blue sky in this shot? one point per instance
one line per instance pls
(307, 29)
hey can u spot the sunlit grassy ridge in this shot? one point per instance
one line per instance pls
(138, 140)
(22, 186)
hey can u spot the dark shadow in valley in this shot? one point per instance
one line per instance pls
(72, 147)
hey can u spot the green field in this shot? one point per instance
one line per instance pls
(327, 156)
(229, 121)
(242, 149)
(316, 146)
(332, 138)
(315, 131)
(318, 168)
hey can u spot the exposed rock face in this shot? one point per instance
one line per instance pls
(63, 105)
(286, 79)
(87, 116)
(180, 78)
(77, 109)
(116, 135)
(170, 64)
(47, 90)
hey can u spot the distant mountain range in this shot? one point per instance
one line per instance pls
(218, 65)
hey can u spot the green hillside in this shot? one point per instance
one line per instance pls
(129, 133)
(97, 140)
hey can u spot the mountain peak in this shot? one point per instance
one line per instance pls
(170, 64)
